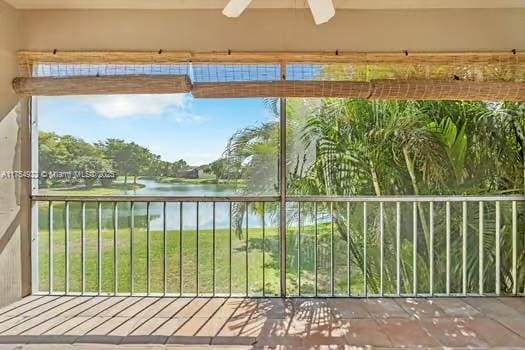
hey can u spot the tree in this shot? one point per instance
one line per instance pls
(91, 169)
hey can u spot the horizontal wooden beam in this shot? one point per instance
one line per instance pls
(103, 85)
(232, 56)
(394, 89)
(389, 89)
(443, 90)
(287, 88)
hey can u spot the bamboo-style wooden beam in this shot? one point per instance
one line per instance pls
(443, 90)
(287, 88)
(104, 85)
(165, 57)
(393, 89)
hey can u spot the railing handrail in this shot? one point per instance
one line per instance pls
(407, 198)
(402, 198)
(153, 199)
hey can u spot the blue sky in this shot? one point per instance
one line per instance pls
(173, 126)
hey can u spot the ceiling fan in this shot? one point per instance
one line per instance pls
(322, 10)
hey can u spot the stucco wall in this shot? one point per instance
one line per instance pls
(257, 29)
(13, 208)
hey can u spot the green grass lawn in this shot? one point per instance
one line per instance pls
(190, 239)
(254, 245)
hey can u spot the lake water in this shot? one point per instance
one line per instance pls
(154, 188)
(189, 210)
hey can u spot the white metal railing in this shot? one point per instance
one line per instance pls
(335, 246)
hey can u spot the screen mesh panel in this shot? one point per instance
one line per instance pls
(369, 76)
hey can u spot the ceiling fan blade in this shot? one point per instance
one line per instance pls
(235, 8)
(322, 10)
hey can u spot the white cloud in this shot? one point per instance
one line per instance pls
(124, 106)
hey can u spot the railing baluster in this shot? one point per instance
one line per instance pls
(99, 248)
(414, 252)
(197, 250)
(247, 257)
(148, 248)
(165, 237)
(83, 244)
(132, 247)
(365, 271)
(213, 249)
(332, 260)
(319, 256)
(514, 249)
(398, 248)
(66, 247)
(36, 253)
(431, 248)
(447, 248)
(464, 248)
(348, 253)
(263, 249)
(299, 250)
(181, 284)
(481, 248)
(51, 247)
(230, 251)
(316, 277)
(115, 247)
(498, 248)
(381, 246)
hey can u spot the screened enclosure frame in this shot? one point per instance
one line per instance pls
(513, 86)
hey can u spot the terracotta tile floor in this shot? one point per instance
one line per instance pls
(50, 322)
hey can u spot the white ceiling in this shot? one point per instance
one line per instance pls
(219, 4)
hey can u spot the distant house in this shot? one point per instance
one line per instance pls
(199, 172)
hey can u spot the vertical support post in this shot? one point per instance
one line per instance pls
(25, 196)
(282, 189)
(35, 263)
